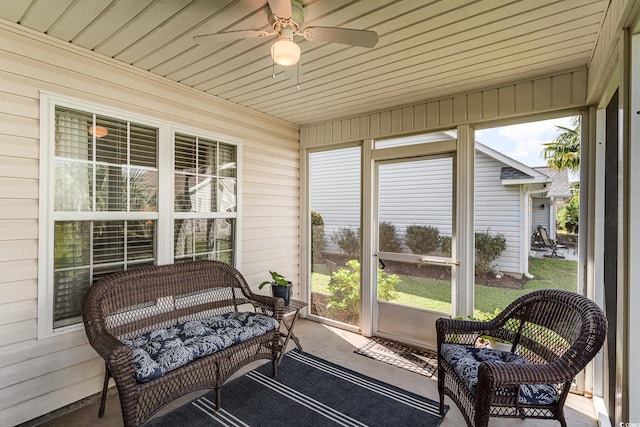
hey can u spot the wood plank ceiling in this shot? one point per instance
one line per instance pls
(426, 49)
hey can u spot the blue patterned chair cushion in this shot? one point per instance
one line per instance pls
(163, 350)
(465, 361)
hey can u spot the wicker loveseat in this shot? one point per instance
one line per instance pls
(553, 335)
(167, 330)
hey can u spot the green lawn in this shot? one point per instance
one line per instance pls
(435, 294)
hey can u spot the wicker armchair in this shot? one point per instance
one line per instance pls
(553, 335)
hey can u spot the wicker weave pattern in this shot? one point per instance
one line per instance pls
(136, 301)
(558, 331)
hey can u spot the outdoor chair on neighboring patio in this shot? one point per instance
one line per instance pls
(553, 335)
(549, 243)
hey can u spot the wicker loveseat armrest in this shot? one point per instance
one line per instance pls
(117, 356)
(270, 305)
(105, 344)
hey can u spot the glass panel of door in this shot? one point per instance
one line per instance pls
(415, 227)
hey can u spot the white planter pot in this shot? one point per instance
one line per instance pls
(503, 346)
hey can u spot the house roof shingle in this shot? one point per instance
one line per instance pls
(509, 172)
(560, 186)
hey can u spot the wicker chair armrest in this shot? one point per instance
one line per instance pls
(460, 331)
(493, 375)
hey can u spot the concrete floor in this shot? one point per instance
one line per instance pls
(337, 346)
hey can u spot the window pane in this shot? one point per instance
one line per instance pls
(207, 156)
(108, 241)
(71, 244)
(143, 147)
(73, 186)
(143, 190)
(182, 196)
(185, 152)
(204, 239)
(140, 240)
(226, 160)
(68, 291)
(102, 271)
(227, 194)
(72, 134)
(111, 188)
(112, 146)
(334, 183)
(203, 193)
(518, 196)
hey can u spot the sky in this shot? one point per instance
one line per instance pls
(523, 142)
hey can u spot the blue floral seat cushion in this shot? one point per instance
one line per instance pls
(465, 361)
(163, 350)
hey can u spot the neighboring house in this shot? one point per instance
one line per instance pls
(545, 205)
(503, 200)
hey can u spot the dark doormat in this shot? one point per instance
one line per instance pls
(423, 362)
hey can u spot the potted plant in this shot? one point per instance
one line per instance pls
(494, 343)
(280, 286)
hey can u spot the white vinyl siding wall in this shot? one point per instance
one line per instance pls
(39, 376)
(497, 206)
(540, 215)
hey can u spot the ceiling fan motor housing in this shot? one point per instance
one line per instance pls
(297, 15)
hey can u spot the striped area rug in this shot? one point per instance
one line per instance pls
(308, 391)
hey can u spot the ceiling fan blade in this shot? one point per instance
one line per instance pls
(212, 39)
(281, 8)
(361, 38)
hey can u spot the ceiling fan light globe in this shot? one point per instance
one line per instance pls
(285, 52)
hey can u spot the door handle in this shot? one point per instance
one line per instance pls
(438, 261)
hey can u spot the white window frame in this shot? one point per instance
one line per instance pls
(164, 216)
(173, 129)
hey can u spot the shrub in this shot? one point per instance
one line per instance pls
(488, 249)
(389, 239)
(445, 245)
(344, 288)
(348, 241)
(569, 215)
(317, 235)
(422, 239)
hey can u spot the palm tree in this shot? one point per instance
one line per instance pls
(564, 151)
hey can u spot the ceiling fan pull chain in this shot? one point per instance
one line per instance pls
(298, 78)
(273, 68)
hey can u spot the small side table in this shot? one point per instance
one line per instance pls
(294, 308)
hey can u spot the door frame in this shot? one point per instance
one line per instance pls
(463, 151)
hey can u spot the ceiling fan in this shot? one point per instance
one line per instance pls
(287, 19)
